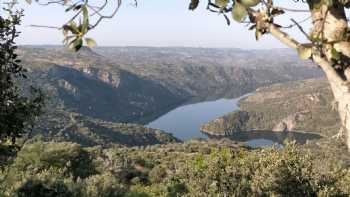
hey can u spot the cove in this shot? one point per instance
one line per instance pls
(184, 122)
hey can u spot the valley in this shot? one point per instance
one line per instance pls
(139, 84)
(115, 129)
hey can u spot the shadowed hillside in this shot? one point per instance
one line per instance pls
(137, 85)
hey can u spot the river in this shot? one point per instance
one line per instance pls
(184, 122)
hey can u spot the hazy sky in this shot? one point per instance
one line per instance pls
(154, 23)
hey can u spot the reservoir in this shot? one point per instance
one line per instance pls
(184, 122)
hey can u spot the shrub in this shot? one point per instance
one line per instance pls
(103, 186)
(40, 156)
(157, 174)
(266, 172)
(41, 169)
(34, 188)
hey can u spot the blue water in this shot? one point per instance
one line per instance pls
(184, 122)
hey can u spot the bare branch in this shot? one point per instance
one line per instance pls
(282, 36)
(292, 10)
(301, 29)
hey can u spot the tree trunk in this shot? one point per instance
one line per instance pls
(342, 98)
(330, 25)
(341, 92)
(330, 28)
(344, 112)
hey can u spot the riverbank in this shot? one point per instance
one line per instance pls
(296, 106)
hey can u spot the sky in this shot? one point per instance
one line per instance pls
(155, 23)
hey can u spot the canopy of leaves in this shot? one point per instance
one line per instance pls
(18, 109)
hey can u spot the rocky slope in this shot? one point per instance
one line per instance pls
(61, 126)
(137, 85)
(86, 99)
(205, 72)
(295, 106)
(88, 84)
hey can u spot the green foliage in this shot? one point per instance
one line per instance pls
(221, 3)
(69, 158)
(33, 188)
(239, 12)
(174, 170)
(250, 3)
(106, 185)
(193, 5)
(157, 174)
(18, 108)
(268, 172)
(73, 32)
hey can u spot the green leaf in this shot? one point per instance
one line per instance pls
(239, 12)
(335, 54)
(305, 51)
(76, 44)
(193, 4)
(250, 3)
(221, 3)
(85, 24)
(90, 42)
(72, 27)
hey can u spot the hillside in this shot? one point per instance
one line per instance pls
(295, 106)
(88, 84)
(80, 152)
(63, 126)
(139, 84)
(209, 72)
(194, 169)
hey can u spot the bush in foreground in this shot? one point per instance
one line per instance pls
(66, 169)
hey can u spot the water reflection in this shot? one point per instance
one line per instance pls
(268, 138)
(184, 122)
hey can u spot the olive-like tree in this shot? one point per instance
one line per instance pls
(328, 41)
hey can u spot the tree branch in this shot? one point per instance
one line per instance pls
(326, 65)
(282, 36)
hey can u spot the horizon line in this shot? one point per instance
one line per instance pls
(144, 46)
